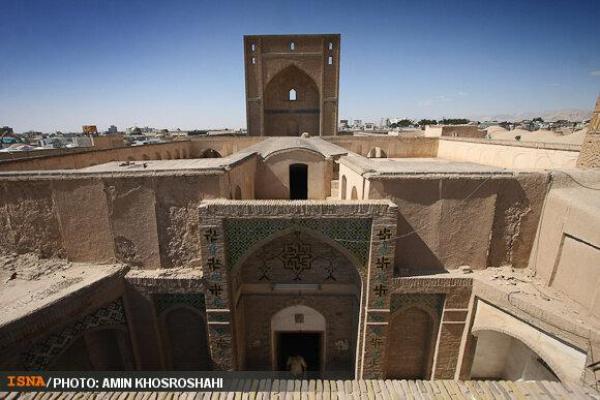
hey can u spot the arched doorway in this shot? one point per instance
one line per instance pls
(354, 195)
(292, 104)
(298, 331)
(298, 181)
(293, 287)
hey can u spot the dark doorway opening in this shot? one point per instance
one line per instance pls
(307, 345)
(298, 182)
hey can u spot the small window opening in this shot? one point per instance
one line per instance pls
(330, 60)
(292, 95)
(330, 45)
(292, 46)
(253, 60)
(253, 47)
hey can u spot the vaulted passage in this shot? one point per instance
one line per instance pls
(292, 104)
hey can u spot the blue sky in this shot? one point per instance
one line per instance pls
(179, 63)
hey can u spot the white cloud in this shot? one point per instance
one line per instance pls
(595, 73)
(433, 100)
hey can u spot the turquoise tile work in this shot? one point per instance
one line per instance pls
(354, 234)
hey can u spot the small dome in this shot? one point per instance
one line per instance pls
(305, 135)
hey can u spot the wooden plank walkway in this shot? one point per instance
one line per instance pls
(268, 389)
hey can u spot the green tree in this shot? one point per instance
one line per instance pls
(454, 121)
(197, 132)
(424, 122)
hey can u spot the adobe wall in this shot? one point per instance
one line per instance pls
(447, 222)
(82, 159)
(109, 141)
(350, 179)
(567, 248)
(393, 146)
(147, 220)
(242, 175)
(462, 131)
(504, 155)
(41, 152)
(273, 173)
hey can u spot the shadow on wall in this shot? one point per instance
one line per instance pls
(413, 255)
(105, 349)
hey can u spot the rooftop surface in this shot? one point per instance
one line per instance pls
(274, 145)
(420, 166)
(29, 284)
(363, 389)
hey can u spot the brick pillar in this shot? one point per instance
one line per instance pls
(452, 325)
(378, 292)
(589, 157)
(218, 310)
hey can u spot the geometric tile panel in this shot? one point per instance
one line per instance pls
(41, 354)
(241, 234)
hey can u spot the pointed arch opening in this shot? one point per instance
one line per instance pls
(316, 284)
(292, 98)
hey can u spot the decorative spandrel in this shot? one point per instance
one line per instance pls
(351, 233)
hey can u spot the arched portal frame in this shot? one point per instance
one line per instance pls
(319, 325)
(217, 228)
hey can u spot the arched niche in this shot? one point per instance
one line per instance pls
(237, 193)
(411, 343)
(376, 152)
(292, 104)
(210, 153)
(185, 339)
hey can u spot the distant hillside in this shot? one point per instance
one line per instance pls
(571, 114)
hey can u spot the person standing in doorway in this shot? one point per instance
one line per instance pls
(296, 365)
